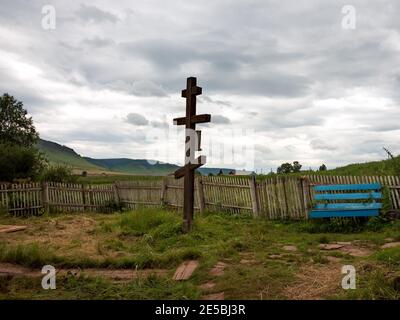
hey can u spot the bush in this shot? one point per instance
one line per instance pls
(18, 162)
(113, 206)
(58, 174)
(3, 210)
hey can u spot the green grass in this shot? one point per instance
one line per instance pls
(390, 256)
(383, 167)
(375, 284)
(152, 287)
(27, 255)
(111, 178)
(152, 238)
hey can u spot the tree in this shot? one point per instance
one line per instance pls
(285, 168)
(288, 168)
(19, 162)
(15, 127)
(58, 174)
(323, 167)
(296, 166)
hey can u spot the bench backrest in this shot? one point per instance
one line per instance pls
(347, 200)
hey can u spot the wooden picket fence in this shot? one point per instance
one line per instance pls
(271, 198)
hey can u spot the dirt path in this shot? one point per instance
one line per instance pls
(12, 270)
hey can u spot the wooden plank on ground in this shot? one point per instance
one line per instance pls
(10, 228)
(185, 270)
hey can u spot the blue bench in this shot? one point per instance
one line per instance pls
(336, 200)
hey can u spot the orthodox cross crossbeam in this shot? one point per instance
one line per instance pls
(192, 144)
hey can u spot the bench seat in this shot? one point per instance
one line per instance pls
(344, 213)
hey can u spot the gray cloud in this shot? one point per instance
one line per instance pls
(159, 124)
(219, 119)
(98, 42)
(137, 119)
(210, 100)
(319, 144)
(140, 88)
(94, 14)
(286, 70)
(147, 88)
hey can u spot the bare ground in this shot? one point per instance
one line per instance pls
(11, 270)
(70, 236)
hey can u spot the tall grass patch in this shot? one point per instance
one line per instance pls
(155, 223)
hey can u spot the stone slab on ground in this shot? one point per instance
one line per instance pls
(248, 261)
(333, 259)
(185, 270)
(330, 246)
(290, 248)
(218, 269)
(390, 245)
(11, 228)
(214, 296)
(345, 247)
(207, 286)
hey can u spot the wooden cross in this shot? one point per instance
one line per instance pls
(192, 144)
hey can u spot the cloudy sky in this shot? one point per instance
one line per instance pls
(287, 78)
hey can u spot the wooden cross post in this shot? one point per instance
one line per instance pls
(192, 144)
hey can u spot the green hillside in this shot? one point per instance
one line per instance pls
(136, 167)
(373, 168)
(62, 155)
(383, 167)
(58, 154)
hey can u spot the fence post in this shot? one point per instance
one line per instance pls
(116, 194)
(163, 194)
(45, 197)
(84, 196)
(200, 194)
(6, 193)
(254, 196)
(305, 194)
(91, 199)
(285, 197)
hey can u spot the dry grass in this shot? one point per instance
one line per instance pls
(315, 282)
(68, 236)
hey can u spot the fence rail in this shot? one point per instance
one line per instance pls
(272, 198)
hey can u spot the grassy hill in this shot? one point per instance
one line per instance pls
(373, 168)
(57, 154)
(383, 167)
(62, 155)
(136, 167)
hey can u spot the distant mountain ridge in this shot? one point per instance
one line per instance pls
(134, 166)
(62, 155)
